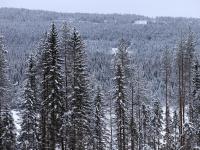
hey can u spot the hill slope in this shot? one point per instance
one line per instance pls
(23, 28)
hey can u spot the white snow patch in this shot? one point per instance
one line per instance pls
(17, 120)
(140, 22)
(114, 50)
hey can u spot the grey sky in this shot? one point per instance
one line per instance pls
(183, 8)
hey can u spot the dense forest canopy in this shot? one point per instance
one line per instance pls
(95, 82)
(23, 28)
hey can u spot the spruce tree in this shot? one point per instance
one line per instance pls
(65, 51)
(122, 57)
(196, 100)
(7, 131)
(80, 133)
(40, 77)
(167, 73)
(43, 110)
(133, 125)
(52, 108)
(122, 74)
(120, 108)
(141, 107)
(7, 127)
(185, 59)
(55, 98)
(181, 87)
(189, 63)
(100, 135)
(144, 126)
(190, 136)
(39, 58)
(175, 130)
(156, 123)
(55, 95)
(29, 133)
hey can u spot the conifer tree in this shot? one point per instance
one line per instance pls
(175, 130)
(111, 125)
(100, 135)
(181, 88)
(185, 62)
(156, 123)
(120, 108)
(43, 125)
(145, 126)
(167, 82)
(41, 70)
(142, 109)
(28, 136)
(196, 100)
(80, 133)
(122, 57)
(7, 127)
(190, 50)
(65, 51)
(7, 135)
(55, 97)
(190, 136)
(133, 125)
(39, 57)
(52, 92)
(121, 66)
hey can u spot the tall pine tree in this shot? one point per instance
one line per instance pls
(196, 100)
(120, 108)
(65, 51)
(100, 131)
(80, 133)
(7, 128)
(28, 137)
(52, 92)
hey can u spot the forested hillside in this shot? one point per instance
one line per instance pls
(23, 28)
(95, 82)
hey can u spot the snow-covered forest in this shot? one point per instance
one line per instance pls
(98, 82)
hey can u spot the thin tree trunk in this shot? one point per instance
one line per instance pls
(111, 128)
(132, 119)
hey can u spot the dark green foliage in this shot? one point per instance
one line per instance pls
(29, 134)
(52, 92)
(7, 127)
(80, 101)
(120, 108)
(100, 131)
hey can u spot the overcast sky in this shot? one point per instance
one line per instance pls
(152, 8)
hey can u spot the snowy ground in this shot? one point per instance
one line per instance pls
(17, 120)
